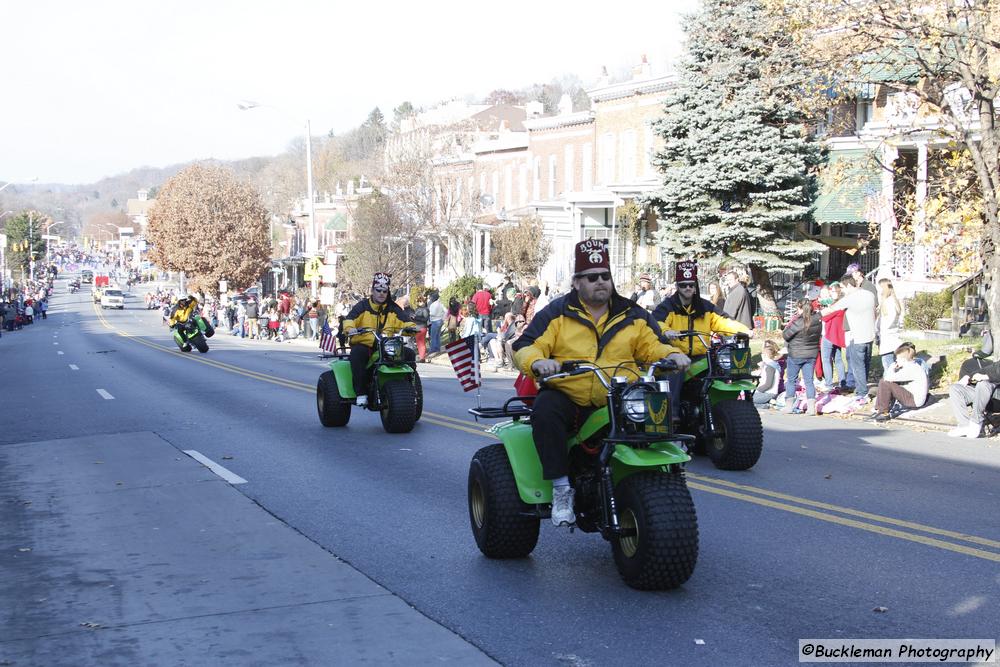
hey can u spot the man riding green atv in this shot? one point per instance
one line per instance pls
(713, 399)
(599, 445)
(380, 373)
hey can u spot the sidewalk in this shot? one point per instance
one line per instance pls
(120, 549)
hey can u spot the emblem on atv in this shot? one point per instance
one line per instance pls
(657, 410)
(740, 358)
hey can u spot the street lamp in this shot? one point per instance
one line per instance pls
(48, 237)
(312, 244)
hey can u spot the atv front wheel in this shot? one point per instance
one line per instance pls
(399, 409)
(740, 436)
(659, 547)
(501, 521)
(333, 410)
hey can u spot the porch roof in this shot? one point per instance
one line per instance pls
(851, 177)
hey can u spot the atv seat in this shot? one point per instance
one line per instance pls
(515, 407)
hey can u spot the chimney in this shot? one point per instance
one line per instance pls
(605, 78)
(143, 195)
(643, 70)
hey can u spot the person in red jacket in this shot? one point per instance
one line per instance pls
(833, 343)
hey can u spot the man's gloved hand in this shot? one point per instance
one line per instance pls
(671, 335)
(682, 360)
(545, 367)
(352, 332)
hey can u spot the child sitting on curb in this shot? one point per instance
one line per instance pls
(771, 370)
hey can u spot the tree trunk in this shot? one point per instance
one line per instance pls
(765, 291)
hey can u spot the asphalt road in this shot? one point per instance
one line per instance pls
(837, 520)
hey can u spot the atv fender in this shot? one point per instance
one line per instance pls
(523, 457)
(345, 379)
(696, 368)
(725, 391)
(627, 461)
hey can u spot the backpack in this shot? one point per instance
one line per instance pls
(517, 305)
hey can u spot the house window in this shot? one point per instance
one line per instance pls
(568, 169)
(508, 186)
(536, 188)
(866, 110)
(629, 155)
(650, 153)
(553, 164)
(588, 166)
(522, 185)
(607, 158)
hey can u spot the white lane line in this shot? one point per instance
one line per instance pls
(60, 352)
(74, 367)
(224, 473)
(105, 395)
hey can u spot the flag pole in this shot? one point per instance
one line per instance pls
(479, 370)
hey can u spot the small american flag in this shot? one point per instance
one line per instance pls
(465, 361)
(327, 341)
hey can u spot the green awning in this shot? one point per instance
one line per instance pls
(337, 223)
(846, 182)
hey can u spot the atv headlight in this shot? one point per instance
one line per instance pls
(393, 349)
(724, 359)
(634, 404)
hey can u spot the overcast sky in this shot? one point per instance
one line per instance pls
(92, 89)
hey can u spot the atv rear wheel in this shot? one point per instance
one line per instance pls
(740, 438)
(333, 410)
(418, 387)
(399, 407)
(200, 343)
(501, 521)
(662, 549)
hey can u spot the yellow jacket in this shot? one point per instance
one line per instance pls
(385, 317)
(671, 315)
(564, 331)
(181, 313)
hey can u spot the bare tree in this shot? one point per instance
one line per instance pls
(521, 248)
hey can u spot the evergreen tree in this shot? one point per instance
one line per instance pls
(738, 162)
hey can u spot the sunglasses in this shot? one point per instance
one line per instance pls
(518, 321)
(381, 291)
(594, 277)
(684, 285)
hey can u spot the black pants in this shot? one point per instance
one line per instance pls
(554, 417)
(360, 355)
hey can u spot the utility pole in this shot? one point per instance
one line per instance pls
(31, 254)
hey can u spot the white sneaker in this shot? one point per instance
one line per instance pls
(958, 432)
(973, 430)
(562, 506)
(361, 401)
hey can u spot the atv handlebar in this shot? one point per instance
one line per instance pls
(576, 367)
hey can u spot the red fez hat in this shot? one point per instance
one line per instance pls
(592, 254)
(686, 271)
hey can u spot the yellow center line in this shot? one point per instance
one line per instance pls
(695, 481)
(860, 525)
(847, 510)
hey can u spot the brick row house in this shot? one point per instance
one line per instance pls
(576, 171)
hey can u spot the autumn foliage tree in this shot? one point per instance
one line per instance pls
(211, 226)
(521, 249)
(376, 243)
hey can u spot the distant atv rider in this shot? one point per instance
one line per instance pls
(181, 313)
(377, 312)
(592, 323)
(687, 311)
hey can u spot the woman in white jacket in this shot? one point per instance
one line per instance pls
(905, 381)
(890, 322)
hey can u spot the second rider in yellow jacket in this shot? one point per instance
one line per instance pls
(378, 312)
